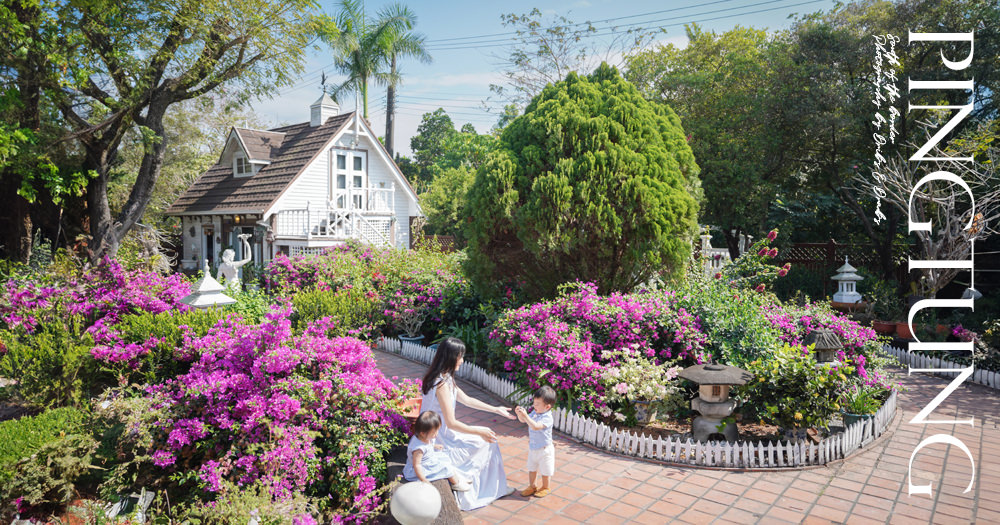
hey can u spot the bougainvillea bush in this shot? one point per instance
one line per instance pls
(294, 414)
(415, 289)
(569, 342)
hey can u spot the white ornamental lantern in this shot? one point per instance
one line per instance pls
(207, 293)
(415, 503)
(847, 280)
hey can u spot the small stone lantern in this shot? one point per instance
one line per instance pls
(207, 292)
(713, 402)
(827, 344)
(847, 280)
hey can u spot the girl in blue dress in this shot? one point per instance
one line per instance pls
(424, 459)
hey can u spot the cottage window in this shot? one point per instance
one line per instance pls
(243, 166)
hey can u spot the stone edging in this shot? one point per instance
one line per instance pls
(740, 455)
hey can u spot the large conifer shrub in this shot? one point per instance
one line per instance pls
(592, 183)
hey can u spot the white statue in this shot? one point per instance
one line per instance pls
(229, 269)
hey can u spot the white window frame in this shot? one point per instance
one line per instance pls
(337, 194)
(248, 167)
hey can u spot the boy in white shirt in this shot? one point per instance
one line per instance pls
(541, 452)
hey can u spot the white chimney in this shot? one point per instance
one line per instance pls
(322, 109)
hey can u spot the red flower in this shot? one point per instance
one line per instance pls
(772, 235)
(782, 272)
(762, 252)
(760, 287)
(718, 275)
(773, 252)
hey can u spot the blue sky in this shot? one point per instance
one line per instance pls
(466, 39)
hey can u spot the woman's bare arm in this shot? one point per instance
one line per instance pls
(448, 413)
(472, 402)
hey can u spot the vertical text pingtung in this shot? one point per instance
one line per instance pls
(921, 155)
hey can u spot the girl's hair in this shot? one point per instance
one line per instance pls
(426, 422)
(444, 362)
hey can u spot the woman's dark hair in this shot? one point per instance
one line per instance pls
(444, 362)
(426, 422)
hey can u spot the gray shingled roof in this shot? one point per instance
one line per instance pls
(218, 191)
(261, 145)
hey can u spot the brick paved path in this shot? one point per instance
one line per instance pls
(870, 487)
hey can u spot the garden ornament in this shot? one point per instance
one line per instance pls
(207, 292)
(826, 344)
(847, 280)
(713, 402)
(415, 503)
(229, 269)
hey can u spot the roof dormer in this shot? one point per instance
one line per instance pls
(250, 150)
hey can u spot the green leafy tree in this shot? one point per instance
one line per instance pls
(196, 131)
(444, 202)
(722, 86)
(428, 144)
(37, 170)
(593, 183)
(547, 48)
(128, 62)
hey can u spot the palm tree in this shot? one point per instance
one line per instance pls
(399, 45)
(362, 47)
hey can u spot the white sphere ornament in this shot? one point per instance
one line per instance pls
(415, 503)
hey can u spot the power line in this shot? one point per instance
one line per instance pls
(581, 23)
(505, 42)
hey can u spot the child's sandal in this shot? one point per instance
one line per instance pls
(542, 493)
(528, 491)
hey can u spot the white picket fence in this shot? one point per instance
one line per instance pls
(913, 360)
(740, 455)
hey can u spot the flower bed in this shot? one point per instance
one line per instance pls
(216, 412)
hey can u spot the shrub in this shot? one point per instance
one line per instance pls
(260, 405)
(41, 458)
(52, 366)
(591, 183)
(143, 347)
(20, 438)
(353, 312)
(792, 391)
(562, 342)
(48, 477)
(637, 378)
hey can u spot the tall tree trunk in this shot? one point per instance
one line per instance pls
(106, 236)
(390, 110)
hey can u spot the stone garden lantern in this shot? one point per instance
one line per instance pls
(207, 292)
(827, 344)
(847, 280)
(713, 402)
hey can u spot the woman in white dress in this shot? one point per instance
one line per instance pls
(472, 449)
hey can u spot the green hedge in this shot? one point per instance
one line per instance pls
(20, 438)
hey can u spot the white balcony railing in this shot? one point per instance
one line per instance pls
(370, 199)
(333, 224)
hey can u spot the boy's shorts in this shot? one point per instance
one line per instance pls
(542, 460)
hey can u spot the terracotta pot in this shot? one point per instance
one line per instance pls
(884, 327)
(903, 331)
(942, 329)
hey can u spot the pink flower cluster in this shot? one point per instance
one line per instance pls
(794, 324)
(561, 342)
(255, 399)
(102, 295)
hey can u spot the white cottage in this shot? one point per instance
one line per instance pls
(296, 190)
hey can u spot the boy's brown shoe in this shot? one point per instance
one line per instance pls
(528, 491)
(542, 493)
